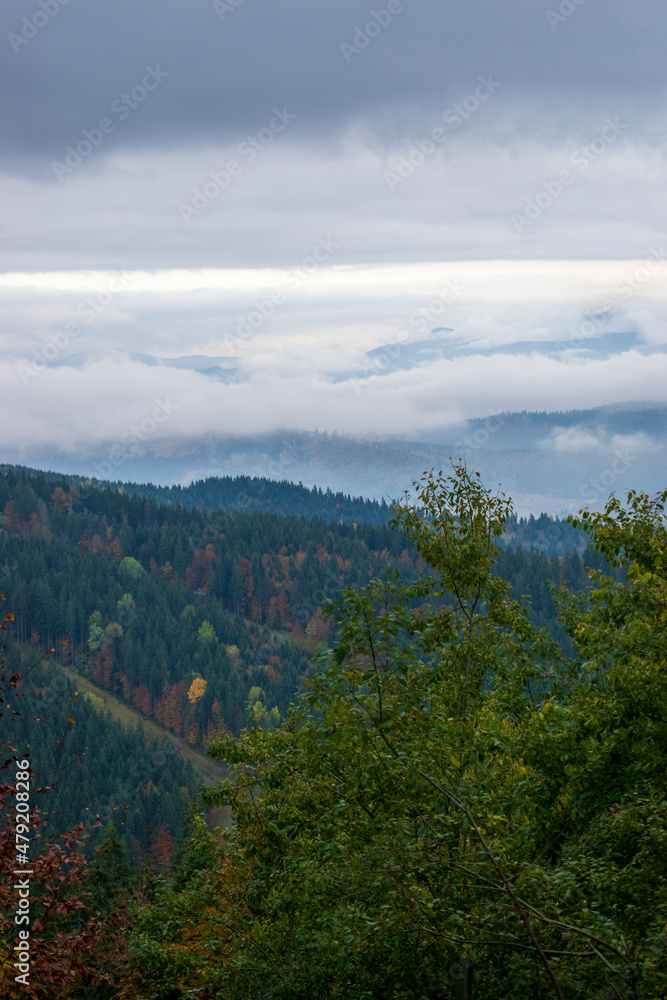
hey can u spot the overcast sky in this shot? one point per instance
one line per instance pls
(291, 185)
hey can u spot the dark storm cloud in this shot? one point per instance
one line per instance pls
(229, 63)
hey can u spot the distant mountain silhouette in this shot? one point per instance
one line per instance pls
(552, 462)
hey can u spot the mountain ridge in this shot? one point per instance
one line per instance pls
(548, 461)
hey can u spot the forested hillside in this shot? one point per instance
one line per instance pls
(149, 600)
(256, 494)
(238, 493)
(93, 765)
(459, 801)
(185, 614)
(196, 619)
(455, 809)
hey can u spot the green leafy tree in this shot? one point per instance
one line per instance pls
(206, 636)
(179, 928)
(454, 809)
(132, 567)
(113, 631)
(258, 711)
(126, 608)
(95, 632)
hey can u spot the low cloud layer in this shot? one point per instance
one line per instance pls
(304, 192)
(98, 405)
(324, 345)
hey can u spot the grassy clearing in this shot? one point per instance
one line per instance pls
(210, 772)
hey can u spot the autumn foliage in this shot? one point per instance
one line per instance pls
(68, 939)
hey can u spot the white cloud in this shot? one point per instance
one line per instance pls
(637, 444)
(189, 287)
(123, 210)
(573, 439)
(97, 405)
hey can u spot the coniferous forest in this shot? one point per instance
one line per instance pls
(440, 733)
